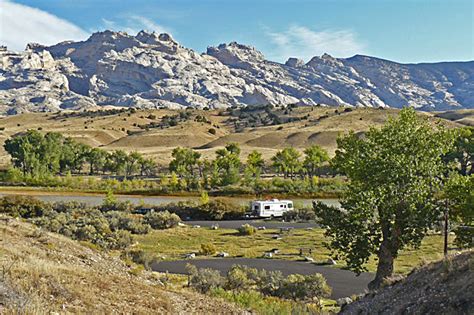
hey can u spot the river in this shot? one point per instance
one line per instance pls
(96, 199)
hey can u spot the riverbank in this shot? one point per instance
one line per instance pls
(43, 190)
(97, 198)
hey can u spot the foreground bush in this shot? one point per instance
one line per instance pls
(247, 229)
(262, 304)
(139, 256)
(24, 207)
(244, 279)
(299, 287)
(207, 249)
(204, 280)
(162, 219)
(213, 210)
(304, 214)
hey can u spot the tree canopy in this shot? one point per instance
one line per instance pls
(390, 203)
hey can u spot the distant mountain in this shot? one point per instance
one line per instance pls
(152, 70)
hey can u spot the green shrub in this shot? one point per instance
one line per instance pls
(299, 287)
(140, 257)
(261, 304)
(120, 239)
(247, 229)
(219, 209)
(24, 207)
(205, 279)
(242, 278)
(125, 221)
(162, 219)
(304, 214)
(207, 249)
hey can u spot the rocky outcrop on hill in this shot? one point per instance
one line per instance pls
(444, 287)
(152, 70)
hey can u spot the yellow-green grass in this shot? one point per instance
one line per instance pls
(173, 244)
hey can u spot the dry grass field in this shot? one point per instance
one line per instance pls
(300, 128)
(46, 273)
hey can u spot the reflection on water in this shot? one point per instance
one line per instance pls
(94, 200)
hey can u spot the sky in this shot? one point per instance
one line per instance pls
(408, 31)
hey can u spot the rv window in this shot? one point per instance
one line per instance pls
(290, 205)
(267, 207)
(281, 206)
(255, 207)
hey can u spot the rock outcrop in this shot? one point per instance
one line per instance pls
(152, 70)
(443, 287)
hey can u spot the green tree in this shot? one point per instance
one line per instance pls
(228, 164)
(147, 166)
(390, 203)
(463, 151)
(118, 162)
(254, 166)
(459, 192)
(23, 151)
(73, 156)
(50, 151)
(287, 162)
(96, 159)
(185, 162)
(132, 163)
(315, 156)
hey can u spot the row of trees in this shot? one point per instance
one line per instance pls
(227, 167)
(403, 179)
(36, 154)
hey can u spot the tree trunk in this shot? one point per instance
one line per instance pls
(385, 265)
(446, 229)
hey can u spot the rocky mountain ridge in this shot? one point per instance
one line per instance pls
(152, 70)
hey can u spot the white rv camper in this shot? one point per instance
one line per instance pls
(270, 208)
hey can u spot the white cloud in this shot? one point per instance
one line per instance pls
(133, 24)
(302, 42)
(21, 24)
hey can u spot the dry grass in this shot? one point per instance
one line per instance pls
(322, 127)
(43, 272)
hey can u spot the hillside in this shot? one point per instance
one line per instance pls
(443, 287)
(151, 70)
(47, 273)
(151, 132)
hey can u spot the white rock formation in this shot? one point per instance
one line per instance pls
(152, 70)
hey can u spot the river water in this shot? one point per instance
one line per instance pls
(95, 200)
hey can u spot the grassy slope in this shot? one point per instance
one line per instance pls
(43, 272)
(110, 132)
(174, 243)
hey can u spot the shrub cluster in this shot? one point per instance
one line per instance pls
(106, 226)
(207, 249)
(271, 283)
(246, 229)
(162, 219)
(304, 214)
(216, 209)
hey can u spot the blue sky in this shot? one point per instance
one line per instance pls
(402, 30)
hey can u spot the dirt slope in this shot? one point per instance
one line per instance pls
(443, 287)
(42, 273)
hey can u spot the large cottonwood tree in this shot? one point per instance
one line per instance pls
(395, 173)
